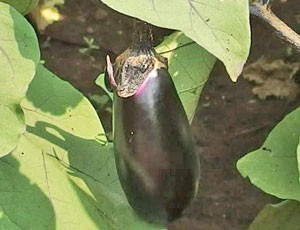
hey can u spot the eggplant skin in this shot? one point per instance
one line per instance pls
(155, 159)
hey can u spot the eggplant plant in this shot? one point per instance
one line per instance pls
(58, 170)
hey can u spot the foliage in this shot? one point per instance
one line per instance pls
(282, 216)
(23, 6)
(274, 167)
(57, 170)
(61, 173)
(220, 27)
(19, 55)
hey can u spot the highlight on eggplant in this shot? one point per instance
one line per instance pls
(155, 159)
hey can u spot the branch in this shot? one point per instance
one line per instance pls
(282, 30)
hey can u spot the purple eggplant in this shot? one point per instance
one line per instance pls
(154, 153)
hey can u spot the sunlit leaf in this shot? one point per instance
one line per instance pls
(221, 27)
(189, 66)
(19, 55)
(273, 168)
(23, 6)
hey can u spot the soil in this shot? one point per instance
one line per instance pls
(230, 121)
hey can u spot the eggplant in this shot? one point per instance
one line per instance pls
(155, 158)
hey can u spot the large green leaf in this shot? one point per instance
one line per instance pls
(62, 175)
(189, 66)
(273, 168)
(282, 216)
(23, 6)
(19, 55)
(221, 27)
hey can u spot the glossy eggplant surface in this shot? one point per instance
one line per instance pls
(155, 158)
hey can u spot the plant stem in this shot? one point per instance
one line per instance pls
(142, 36)
(282, 30)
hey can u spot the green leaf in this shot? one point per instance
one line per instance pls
(62, 175)
(221, 27)
(189, 66)
(23, 6)
(282, 216)
(273, 168)
(19, 55)
(100, 82)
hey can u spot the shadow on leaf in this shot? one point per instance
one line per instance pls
(23, 205)
(93, 162)
(50, 94)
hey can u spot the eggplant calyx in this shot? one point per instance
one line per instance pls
(134, 72)
(109, 79)
(132, 68)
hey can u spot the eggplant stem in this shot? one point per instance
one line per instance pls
(142, 37)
